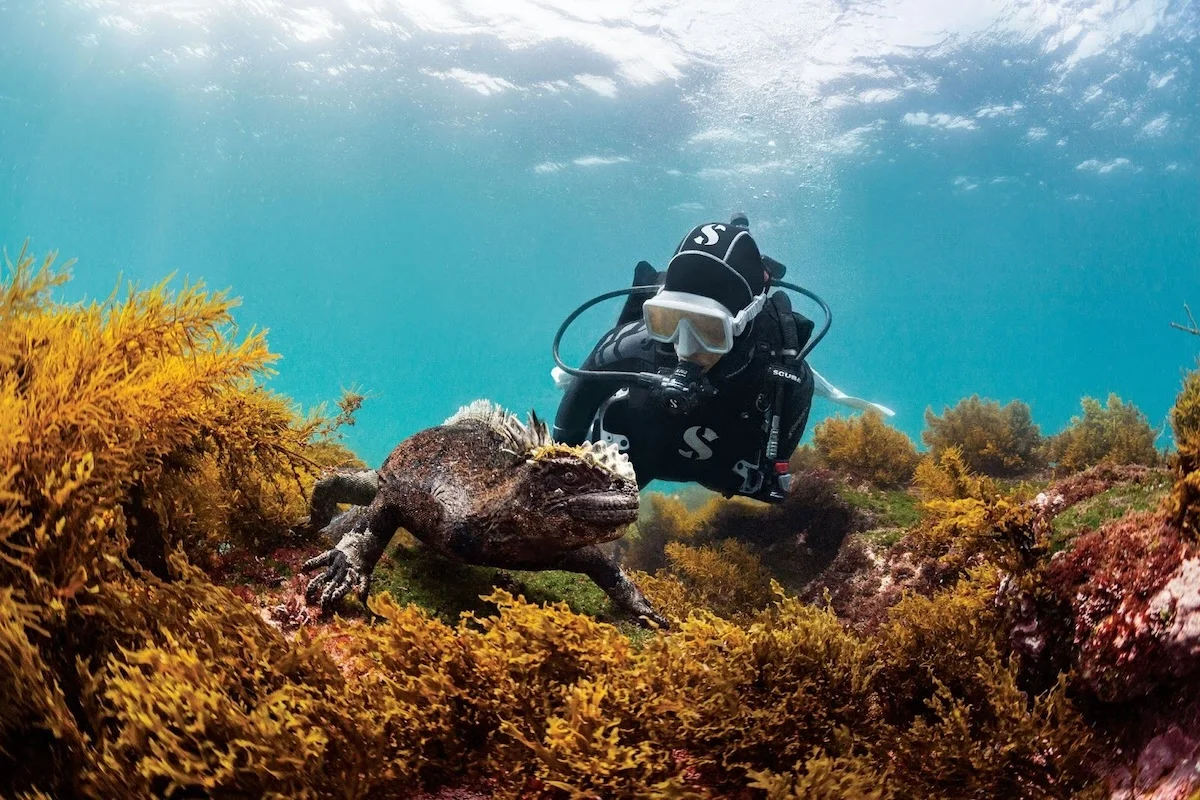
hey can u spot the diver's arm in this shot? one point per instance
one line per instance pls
(643, 275)
(783, 333)
(799, 400)
(627, 348)
(578, 407)
(795, 414)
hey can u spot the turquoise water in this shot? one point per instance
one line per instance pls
(410, 196)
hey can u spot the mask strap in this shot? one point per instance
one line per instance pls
(748, 313)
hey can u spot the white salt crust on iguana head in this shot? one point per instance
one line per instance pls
(527, 439)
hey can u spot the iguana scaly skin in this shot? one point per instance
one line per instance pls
(483, 489)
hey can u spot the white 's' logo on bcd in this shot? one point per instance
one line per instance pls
(695, 438)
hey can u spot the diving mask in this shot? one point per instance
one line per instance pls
(694, 323)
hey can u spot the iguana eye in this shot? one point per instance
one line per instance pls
(570, 477)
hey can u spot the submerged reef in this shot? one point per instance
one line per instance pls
(952, 634)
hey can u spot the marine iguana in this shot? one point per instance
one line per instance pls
(485, 489)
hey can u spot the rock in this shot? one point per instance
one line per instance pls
(1179, 602)
(1167, 768)
(286, 611)
(1130, 593)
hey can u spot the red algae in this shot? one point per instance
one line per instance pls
(1132, 599)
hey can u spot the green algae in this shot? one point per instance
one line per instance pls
(413, 574)
(1113, 504)
(890, 508)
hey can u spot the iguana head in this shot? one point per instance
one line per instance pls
(590, 487)
(570, 496)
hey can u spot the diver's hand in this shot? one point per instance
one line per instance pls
(769, 492)
(347, 567)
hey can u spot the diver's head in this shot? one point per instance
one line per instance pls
(715, 285)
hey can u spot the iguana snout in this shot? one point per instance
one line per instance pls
(613, 507)
(591, 486)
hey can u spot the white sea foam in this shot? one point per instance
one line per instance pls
(599, 161)
(777, 71)
(1103, 167)
(1158, 125)
(948, 122)
(479, 82)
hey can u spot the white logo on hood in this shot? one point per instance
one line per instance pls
(711, 236)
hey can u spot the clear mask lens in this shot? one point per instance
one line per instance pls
(710, 330)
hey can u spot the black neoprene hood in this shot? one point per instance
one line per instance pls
(719, 261)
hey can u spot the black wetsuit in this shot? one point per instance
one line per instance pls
(721, 445)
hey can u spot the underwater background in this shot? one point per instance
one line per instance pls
(993, 197)
(996, 199)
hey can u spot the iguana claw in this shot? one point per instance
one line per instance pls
(339, 578)
(304, 527)
(657, 620)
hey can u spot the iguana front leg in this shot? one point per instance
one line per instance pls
(608, 575)
(348, 566)
(358, 488)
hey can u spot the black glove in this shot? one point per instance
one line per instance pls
(774, 489)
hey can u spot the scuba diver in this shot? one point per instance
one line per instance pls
(703, 379)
